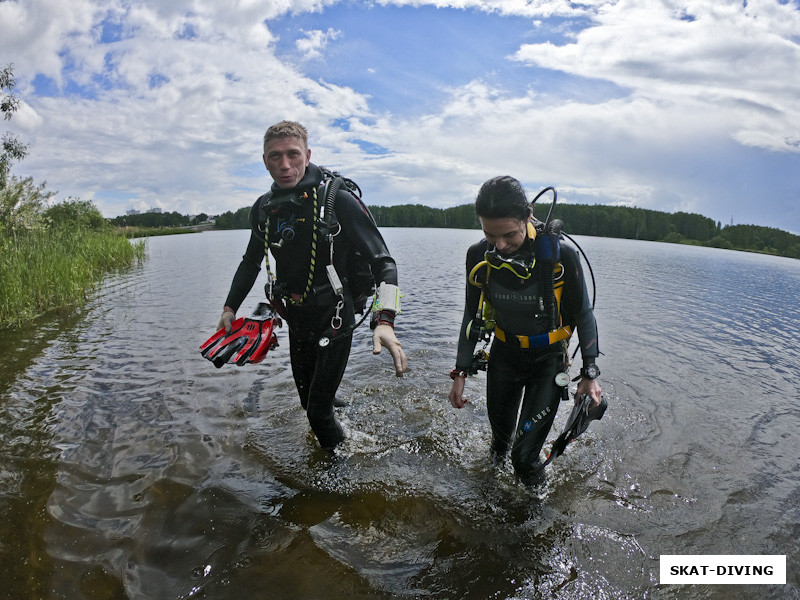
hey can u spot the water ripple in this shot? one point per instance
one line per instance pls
(141, 471)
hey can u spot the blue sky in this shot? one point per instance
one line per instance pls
(689, 105)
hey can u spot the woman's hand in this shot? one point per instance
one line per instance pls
(457, 392)
(591, 387)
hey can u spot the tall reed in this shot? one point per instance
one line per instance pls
(52, 268)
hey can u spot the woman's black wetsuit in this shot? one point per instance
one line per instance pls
(312, 307)
(520, 310)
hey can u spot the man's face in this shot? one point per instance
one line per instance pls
(286, 159)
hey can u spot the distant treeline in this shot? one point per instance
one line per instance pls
(579, 219)
(407, 215)
(612, 221)
(170, 219)
(679, 227)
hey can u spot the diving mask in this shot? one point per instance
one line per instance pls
(279, 202)
(519, 263)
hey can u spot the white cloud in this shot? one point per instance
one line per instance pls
(172, 113)
(32, 33)
(520, 8)
(315, 42)
(727, 61)
(176, 144)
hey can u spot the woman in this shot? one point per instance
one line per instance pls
(534, 294)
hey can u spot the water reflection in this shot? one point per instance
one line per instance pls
(134, 469)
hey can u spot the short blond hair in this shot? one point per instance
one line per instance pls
(286, 129)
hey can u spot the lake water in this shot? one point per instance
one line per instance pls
(132, 468)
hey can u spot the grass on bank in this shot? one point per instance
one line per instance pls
(140, 232)
(56, 268)
(52, 257)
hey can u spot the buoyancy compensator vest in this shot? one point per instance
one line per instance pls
(543, 247)
(282, 217)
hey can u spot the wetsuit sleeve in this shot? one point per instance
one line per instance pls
(576, 308)
(363, 235)
(466, 347)
(247, 273)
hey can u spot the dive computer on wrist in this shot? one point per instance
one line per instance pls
(590, 371)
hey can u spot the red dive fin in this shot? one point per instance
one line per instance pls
(248, 341)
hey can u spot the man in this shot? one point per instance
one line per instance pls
(315, 252)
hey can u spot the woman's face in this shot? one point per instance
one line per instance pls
(506, 234)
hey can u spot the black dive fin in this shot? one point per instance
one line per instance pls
(577, 423)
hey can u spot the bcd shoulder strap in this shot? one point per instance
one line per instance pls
(331, 183)
(359, 274)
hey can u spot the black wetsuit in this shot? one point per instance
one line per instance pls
(520, 310)
(312, 309)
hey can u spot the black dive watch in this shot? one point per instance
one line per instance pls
(590, 371)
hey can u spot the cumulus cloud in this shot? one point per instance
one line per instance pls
(315, 42)
(169, 109)
(521, 8)
(725, 61)
(139, 103)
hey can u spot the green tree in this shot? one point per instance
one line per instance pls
(21, 201)
(152, 220)
(12, 148)
(21, 204)
(75, 213)
(238, 220)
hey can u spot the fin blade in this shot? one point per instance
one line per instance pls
(218, 343)
(267, 342)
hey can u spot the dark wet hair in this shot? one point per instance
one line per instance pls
(502, 197)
